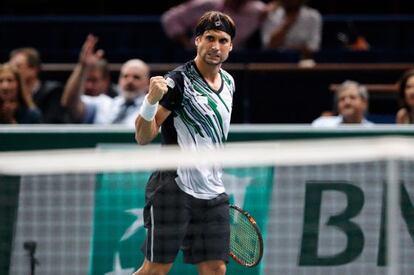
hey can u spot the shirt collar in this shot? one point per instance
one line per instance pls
(136, 101)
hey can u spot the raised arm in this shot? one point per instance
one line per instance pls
(148, 122)
(71, 98)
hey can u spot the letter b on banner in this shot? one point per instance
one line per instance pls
(342, 221)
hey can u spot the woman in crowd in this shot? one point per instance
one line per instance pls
(16, 105)
(405, 114)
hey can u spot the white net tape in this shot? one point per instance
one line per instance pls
(320, 204)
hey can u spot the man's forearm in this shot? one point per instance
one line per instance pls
(151, 115)
(71, 97)
(145, 131)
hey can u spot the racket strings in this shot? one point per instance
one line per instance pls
(244, 241)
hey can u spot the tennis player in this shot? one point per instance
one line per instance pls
(188, 209)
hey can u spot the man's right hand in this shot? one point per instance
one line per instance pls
(157, 89)
(88, 55)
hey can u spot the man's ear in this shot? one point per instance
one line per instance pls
(197, 41)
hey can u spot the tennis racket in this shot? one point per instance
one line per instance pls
(246, 242)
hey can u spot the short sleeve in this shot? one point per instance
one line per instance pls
(172, 100)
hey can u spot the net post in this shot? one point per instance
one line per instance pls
(393, 203)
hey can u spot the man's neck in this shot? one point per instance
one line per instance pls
(209, 72)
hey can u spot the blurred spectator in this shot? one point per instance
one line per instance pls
(405, 114)
(98, 79)
(181, 20)
(92, 72)
(46, 94)
(16, 104)
(294, 26)
(99, 108)
(351, 100)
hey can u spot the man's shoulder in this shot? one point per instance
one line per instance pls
(50, 86)
(367, 122)
(179, 69)
(184, 69)
(311, 13)
(225, 73)
(227, 77)
(327, 121)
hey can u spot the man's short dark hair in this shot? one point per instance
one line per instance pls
(215, 20)
(32, 56)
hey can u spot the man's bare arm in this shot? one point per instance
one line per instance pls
(146, 131)
(71, 98)
(147, 126)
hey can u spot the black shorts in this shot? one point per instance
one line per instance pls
(176, 220)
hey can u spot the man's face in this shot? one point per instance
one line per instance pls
(351, 105)
(95, 83)
(213, 47)
(133, 80)
(409, 92)
(19, 61)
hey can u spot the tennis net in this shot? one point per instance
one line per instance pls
(324, 206)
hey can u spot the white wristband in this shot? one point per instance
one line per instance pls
(148, 110)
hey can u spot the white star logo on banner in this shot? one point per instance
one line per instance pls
(138, 223)
(118, 268)
(236, 186)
